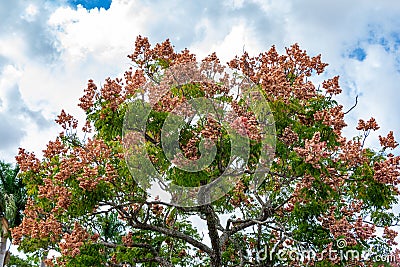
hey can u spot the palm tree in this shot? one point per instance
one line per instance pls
(12, 204)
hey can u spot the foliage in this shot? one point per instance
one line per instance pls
(320, 187)
(13, 194)
(12, 204)
(16, 261)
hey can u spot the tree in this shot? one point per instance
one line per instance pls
(300, 186)
(12, 204)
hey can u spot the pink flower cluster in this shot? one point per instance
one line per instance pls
(70, 246)
(246, 127)
(313, 150)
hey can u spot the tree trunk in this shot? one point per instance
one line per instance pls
(216, 260)
(3, 241)
(3, 251)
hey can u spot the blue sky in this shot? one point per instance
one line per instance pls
(358, 53)
(89, 4)
(49, 49)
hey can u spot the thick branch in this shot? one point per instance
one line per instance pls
(265, 213)
(174, 233)
(212, 225)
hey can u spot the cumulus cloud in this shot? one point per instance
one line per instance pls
(25, 23)
(15, 115)
(49, 49)
(58, 46)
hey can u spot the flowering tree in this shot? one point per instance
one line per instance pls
(299, 186)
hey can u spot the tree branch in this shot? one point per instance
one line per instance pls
(212, 225)
(174, 233)
(352, 106)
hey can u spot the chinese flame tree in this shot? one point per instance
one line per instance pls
(320, 187)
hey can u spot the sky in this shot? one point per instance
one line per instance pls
(49, 49)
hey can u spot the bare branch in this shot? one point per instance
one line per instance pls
(352, 106)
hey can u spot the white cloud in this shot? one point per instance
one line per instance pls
(49, 50)
(16, 117)
(57, 49)
(377, 80)
(13, 48)
(10, 75)
(98, 33)
(30, 13)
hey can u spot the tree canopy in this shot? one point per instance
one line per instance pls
(159, 139)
